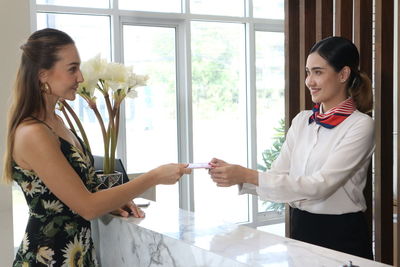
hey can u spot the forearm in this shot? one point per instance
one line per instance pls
(250, 176)
(107, 200)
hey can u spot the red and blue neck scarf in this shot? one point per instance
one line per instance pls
(334, 116)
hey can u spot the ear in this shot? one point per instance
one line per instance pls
(344, 74)
(43, 75)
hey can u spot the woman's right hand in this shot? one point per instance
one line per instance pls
(171, 173)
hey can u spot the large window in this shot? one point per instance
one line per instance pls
(151, 119)
(215, 89)
(219, 112)
(270, 113)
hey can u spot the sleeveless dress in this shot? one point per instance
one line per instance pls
(55, 235)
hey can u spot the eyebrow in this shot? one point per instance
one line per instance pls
(315, 68)
(74, 63)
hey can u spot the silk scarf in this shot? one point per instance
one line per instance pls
(334, 116)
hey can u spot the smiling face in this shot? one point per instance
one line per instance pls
(326, 86)
(64, 77)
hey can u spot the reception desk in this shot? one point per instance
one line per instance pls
(175, 237)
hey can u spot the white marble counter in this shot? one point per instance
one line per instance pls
(178, 238)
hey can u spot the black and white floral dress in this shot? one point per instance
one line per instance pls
(55, 235)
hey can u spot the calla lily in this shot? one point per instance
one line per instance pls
(115, 81)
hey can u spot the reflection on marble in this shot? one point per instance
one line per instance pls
(178, 238)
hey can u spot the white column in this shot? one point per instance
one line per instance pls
(14, 29)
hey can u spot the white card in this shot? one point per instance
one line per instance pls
(199, 166)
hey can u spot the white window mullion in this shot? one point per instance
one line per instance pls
(251, 112)
(32, 12)
(185, 125)
(117, 56)
(71, 10)
(186, 6)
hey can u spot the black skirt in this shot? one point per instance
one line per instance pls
(346, 233)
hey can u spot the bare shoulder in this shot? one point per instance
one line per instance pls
(31, 132)
(32, 136)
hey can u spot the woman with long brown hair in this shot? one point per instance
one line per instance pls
(53, 166)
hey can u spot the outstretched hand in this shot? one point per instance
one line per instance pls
(171, 173)
(225, 174)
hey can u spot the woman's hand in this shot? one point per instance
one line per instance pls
(170, 173)
(128, 209)
(225, 174)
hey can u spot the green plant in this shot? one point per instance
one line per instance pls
(269, 155)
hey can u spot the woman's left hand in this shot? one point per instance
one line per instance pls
(128, 209)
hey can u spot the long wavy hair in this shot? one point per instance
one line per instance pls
(40, 52)
(340, 52)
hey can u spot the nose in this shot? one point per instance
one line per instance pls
(309, 81)
(80, 77)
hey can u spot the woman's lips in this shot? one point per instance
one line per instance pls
(314, 91)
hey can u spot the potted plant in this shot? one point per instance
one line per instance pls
(114, 81)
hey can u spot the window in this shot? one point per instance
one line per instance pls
(215, 74)
(152, 5)
(271, 9)
(270, 107)
(151, 119)
(219, 112)
(220, 7)
(76, 3)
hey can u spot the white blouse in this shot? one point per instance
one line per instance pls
(320, 170)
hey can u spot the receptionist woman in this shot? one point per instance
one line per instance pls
(322, 167)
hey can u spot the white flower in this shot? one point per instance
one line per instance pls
(132, 93)
(73, 253)
(141, 80)
(87, 88)
(25, 243)
(115, 81)
(134, 81)
(116, 76)
(95, 67)
(45, 255)
(92, 71)
(31, 188)
(54, 206)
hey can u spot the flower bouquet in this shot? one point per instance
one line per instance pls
(115, 81)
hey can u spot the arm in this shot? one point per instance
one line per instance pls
(225, 174)
(35, 146)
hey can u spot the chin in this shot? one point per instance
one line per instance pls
(70, 98)
(315, 100)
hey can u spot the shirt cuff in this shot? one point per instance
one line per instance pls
(246, 188)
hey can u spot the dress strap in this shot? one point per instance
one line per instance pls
(48, 126)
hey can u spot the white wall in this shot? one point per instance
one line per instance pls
(14, 29)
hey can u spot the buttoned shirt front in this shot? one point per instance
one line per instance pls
(320, 170)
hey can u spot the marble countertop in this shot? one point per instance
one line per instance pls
(240, 244)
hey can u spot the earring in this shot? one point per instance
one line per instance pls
(45, 88)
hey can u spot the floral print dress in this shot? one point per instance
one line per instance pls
(55, 235)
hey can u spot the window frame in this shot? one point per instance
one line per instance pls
(181, 22)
